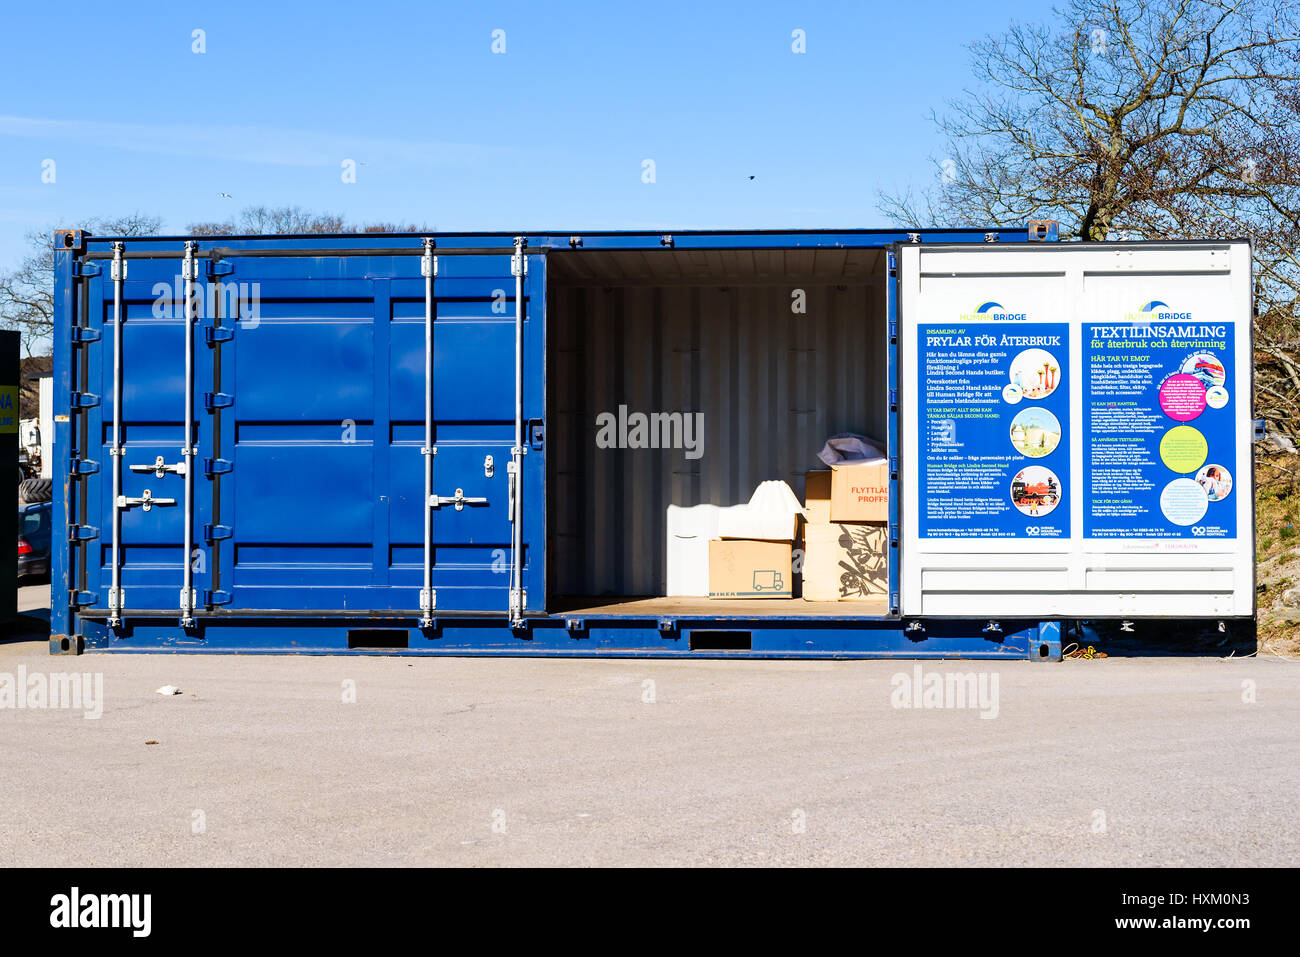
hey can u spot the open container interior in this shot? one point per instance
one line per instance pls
(715, 332)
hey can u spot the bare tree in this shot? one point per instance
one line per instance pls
(280, 220)
(1109, 117)
(27, 292)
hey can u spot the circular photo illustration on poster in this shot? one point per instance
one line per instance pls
(1035, 432)
(1206, 367)
(1217, 482)
(1036, 373)
(1035, 491)
(1184, 502)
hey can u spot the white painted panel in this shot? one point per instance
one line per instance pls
(1165, 580)
(994, 579)
(1084, 571)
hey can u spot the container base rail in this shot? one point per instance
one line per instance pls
(576, 637)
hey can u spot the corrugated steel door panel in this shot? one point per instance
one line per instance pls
(153, 407)
(324, 495)
(474, 410)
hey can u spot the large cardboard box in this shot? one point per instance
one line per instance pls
(860, 492)
(845, 562)
(817, 497)
(744, 569)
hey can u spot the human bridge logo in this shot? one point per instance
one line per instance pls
(993, 310)
(1157, 311)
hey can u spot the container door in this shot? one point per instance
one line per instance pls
(473, 434)
(1076, 434)
(321, 489)
(152, 465)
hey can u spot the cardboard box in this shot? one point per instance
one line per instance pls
(860, 493)
(745, 569)
(845, 562)
(817, 497)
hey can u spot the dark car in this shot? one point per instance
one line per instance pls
(34, 540)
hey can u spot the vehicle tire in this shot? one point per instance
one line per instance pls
(35, 490)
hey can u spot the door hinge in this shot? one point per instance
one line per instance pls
(81, 598)
(84, 466)
(217, 400)
(893, 400)
(217, 533)
(893, 467)
(84, 270)
(220, 267)
(82, 334)
(82, 533)
(83, 400)
(216, 597)
(217, 466)
(215, 334)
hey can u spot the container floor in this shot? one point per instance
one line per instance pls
(587, 606)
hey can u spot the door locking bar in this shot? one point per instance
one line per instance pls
(189, 271)
(459, 500)
(160, 468)
(428, 269)
(115, 594)
(519, 268)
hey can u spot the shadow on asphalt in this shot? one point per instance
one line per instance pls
(28, 626)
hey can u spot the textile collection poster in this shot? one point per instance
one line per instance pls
(994, 427)
(1159, 399)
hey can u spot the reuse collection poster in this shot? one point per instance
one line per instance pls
(1158, 416)
(994, 420)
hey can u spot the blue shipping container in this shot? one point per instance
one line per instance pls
(390, 443)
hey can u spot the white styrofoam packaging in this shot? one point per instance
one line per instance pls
(771, 515)
(690, 528)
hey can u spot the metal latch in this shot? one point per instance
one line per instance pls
(160, 468)
(488, 466)
(459, 500)
(145, 501)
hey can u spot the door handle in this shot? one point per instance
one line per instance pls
(145, 501)
(459, 500)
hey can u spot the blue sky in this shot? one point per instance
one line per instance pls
(550, 134)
